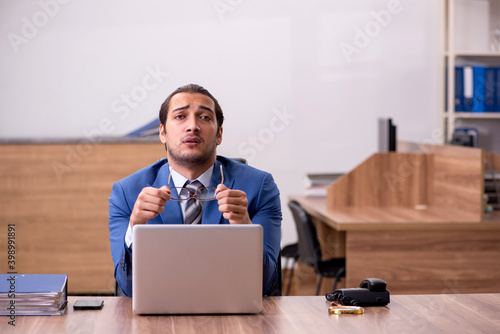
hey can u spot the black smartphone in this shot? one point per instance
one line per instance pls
(88, 304)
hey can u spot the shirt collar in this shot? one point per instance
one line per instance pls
(180, 180)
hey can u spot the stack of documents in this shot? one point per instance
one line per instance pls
(152, 129)
(316, 184)
(33, 294)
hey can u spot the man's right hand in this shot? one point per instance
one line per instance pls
(150, 202)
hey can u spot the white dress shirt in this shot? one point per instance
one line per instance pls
(178, 181)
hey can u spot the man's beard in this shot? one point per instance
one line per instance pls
(193, 160)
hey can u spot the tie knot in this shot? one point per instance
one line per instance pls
(193, 186)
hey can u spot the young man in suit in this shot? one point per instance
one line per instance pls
(191, 129)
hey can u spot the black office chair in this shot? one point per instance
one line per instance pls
(118, 290)
(278, 289)
(309, 248)
(242, 160)
(290, 252)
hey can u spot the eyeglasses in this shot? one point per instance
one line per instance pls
(202, 194)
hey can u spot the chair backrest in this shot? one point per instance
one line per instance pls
(242, 160)
(309, 249)
(278, 289)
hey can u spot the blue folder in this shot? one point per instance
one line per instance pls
(33, 294)
(33, 283)
(490, 94)
(459, 88)
(497, 89)
(479, 86)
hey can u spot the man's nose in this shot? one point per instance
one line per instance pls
(193, 124)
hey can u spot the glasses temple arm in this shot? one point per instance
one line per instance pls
(222, 175)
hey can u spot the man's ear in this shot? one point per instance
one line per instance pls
(162, 134)
(219, 136)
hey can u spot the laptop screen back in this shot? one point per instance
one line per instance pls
(187, 269)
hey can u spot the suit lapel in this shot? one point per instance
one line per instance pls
(211, 213)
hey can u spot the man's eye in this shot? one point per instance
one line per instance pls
(206, 118)
(178, 116)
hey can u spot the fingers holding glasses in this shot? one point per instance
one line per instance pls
(233, 204)
(150, 202)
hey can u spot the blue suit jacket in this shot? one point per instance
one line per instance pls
(264, 208)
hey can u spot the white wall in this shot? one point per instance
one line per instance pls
(294, 102)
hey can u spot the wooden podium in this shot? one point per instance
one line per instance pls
(415, 219)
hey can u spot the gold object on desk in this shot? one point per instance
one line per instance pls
(341, 309)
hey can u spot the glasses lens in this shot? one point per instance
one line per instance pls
(179, 194)
(205, 194)
(202, 194)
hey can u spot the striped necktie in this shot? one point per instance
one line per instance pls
(193, 206)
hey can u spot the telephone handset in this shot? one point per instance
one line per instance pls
(371, 292)
(374, 284)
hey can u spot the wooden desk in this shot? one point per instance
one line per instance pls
(427, 251)
(415, 219)
(404, 314)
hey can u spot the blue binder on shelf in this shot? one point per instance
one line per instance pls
(479, 88)
(490, 93)
(459, 88)
(497, 90)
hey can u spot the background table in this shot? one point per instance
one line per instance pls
(413, 255)
(414, 218)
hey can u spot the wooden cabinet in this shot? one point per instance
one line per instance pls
(56, 197)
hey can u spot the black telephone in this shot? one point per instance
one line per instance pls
(371, 292)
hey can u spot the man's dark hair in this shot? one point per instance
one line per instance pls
(194, 89)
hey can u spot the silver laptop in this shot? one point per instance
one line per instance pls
(197, 269)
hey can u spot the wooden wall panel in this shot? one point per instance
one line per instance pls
(458, 180)
(57, 197)
(420, 176)
(384, 179)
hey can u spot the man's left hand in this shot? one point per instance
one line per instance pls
(233, 204)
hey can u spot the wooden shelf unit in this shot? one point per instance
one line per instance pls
(452, 56)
